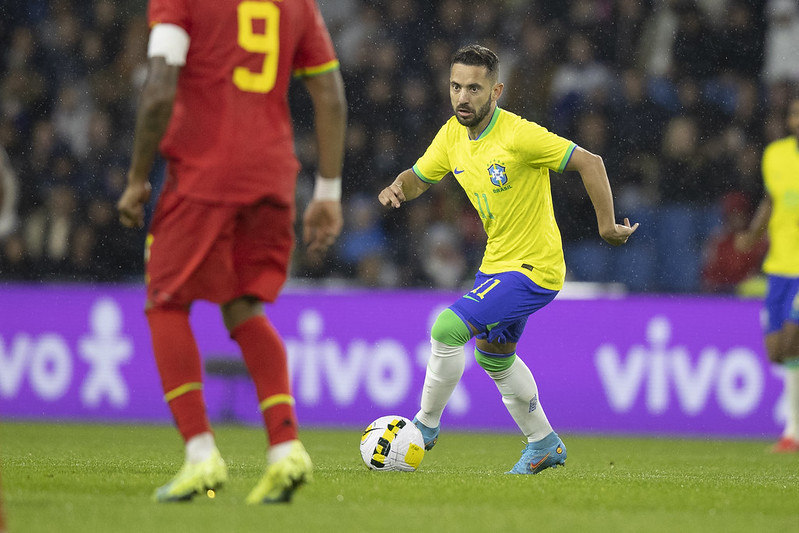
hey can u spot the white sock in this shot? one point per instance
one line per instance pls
(279, 451)
(792, 397)
(200, 447)
(520, 396)
(444, 370)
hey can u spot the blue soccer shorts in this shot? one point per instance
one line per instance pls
(782, 302)
(499, 304)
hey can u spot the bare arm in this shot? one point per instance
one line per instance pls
(406, 186)
(746, 240)
(322, 220)
(2, 179)
(595, 179)
(152, 118)
(8, 186)
(330, 120)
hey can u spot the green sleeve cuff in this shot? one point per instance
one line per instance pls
(566, 157)
(420, 175)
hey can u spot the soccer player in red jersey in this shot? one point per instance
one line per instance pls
(216, 100)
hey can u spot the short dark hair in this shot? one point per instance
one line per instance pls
(477, 56)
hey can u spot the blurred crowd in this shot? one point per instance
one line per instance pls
(678, 96)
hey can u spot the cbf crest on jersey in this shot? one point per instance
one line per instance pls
(499, 178)
(497, 173)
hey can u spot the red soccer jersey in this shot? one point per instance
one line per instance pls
(230, 138)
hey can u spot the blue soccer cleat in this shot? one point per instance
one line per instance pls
(538, 456)
(430, 435)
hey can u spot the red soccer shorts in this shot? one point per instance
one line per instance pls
(216, 252)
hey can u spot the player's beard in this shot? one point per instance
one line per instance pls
(478, 116)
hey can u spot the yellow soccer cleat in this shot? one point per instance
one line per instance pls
(194, 479)
(283, 477)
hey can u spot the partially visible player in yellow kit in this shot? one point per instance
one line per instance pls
(779, 214)
(502, 162)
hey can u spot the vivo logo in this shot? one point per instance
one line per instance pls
(382, 371)
(47, 361)
(663, 373)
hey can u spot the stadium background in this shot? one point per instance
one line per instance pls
(679, 97)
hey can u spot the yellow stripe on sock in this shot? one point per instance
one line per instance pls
(183, 389)
(275, 400)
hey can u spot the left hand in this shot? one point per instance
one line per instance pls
(131, 204)
(322, 223)
(392, 195)
(619, 233)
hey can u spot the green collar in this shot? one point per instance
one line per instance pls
(490, 126)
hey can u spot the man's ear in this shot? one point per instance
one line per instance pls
(496, 91)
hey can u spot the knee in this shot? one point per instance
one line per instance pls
(792, 340)
(492, 362)
(775, 355)
(783, 345)
(449, 329)
(240, 310)
(774, 346)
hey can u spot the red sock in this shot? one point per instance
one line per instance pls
(178, 361)
(266, 360)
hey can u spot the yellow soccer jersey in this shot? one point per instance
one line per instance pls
(781, 179)
(505, 173)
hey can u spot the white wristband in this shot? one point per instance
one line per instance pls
(328, 189)
(169, 41)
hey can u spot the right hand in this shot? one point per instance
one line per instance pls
(131, 204)
(321, 225)
(619, 233)
(392, 196)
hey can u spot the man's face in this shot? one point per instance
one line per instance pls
(470, 90)
(793, 117)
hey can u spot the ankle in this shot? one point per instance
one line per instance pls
(547, 442)
(280, 451)
(200, 447)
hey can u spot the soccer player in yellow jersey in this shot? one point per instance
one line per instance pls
(502, 162)
(779, 214)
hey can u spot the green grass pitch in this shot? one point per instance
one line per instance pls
(92, 478)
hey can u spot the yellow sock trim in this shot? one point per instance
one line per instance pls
(275, 400)
(183, 389)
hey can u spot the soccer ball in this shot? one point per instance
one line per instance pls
(392, 443)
